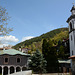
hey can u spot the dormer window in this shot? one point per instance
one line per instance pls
(70, 26)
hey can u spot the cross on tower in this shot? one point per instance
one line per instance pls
(73, 3)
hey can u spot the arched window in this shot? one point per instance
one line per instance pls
(73, 23)
(70, 26)
(72, 52)
(6, 60)
(71, 37)
(18, 69)
(12, 69)
(18, 60)
(24, 68)
(5, 70)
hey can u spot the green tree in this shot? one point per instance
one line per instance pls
(52, 61)
(44, 48)
(37, 63)
(61, 51)
(3, 21)
(49, 52)
(33, 47)
(54, 35)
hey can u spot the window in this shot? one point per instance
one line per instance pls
(6, 60)
(72, 52)
(18, 60)
(70, 26)
(71, 37)
(73, 23)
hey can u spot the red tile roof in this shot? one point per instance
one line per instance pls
(72, 57)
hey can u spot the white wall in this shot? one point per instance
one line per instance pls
(29, 72)
(72, 42)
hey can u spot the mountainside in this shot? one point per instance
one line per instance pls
(56, 35)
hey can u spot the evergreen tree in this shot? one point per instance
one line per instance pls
(49, 53)
(63, 51)
(44, 48)
(37, 63)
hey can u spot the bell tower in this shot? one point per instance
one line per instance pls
(71, 22)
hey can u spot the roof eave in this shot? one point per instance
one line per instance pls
(72, 16)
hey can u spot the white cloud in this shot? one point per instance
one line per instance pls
(8, 39)
(27, 38)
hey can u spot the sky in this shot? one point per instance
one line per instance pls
(32, 18)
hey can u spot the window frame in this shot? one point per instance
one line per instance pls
(19, 58)
(71, 37)
(72, 52)
(7, 61)
(71, 26)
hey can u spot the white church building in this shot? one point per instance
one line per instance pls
(71, 22)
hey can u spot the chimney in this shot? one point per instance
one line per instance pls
(3, 48)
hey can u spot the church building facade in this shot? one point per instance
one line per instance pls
(71, 22)
(12, 61)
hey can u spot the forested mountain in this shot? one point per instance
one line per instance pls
(34, 43)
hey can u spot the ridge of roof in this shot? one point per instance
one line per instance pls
(12, 52)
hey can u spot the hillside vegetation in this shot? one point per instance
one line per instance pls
(34, 43)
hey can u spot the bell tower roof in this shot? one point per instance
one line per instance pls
(73, 13)
(73, 8)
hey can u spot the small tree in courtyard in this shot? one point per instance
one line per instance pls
(37, 63)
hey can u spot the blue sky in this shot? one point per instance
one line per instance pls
(31, 18)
